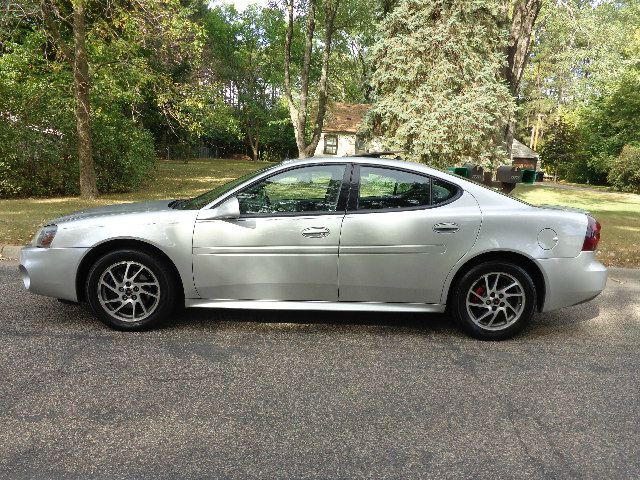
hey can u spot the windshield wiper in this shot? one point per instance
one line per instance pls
(177, 203)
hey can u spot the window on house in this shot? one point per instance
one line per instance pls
(330, 144)
(360, 144)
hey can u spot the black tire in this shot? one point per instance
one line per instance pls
(149, 311)
(477, 277)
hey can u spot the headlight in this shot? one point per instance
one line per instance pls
(46, 235)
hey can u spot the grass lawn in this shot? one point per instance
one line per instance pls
(19, 219)
(618, 213)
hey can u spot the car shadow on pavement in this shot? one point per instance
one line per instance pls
(314, 320)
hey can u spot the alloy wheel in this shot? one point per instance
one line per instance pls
(128, 291)
(495, 301)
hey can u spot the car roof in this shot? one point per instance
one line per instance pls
(362, 160)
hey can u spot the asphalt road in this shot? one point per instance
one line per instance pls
(313, 395)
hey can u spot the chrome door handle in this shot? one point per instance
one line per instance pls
(316, 232)
(446, 227)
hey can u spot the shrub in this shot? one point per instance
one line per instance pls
(624, 174)
(43, 162)
(123, 153)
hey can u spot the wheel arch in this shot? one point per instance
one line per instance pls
(119, 244)
(519, 259)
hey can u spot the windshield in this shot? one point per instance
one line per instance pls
(201, 201)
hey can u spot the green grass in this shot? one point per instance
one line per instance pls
(20, 218)
(619, 213)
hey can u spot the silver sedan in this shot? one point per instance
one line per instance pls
(324, 234)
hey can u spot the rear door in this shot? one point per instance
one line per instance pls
(402, 234)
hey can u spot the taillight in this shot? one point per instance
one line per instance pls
(592, 237)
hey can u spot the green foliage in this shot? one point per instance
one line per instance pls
(37, 129)
(437, 77)
(625, 170)
(586, 65)
(561, 149)
(123, 152)
(245, 51)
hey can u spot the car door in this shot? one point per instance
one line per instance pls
(284, 246)
(402, 234)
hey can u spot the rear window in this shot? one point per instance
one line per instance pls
(382, 189)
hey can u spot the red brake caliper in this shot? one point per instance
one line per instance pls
(479, 291)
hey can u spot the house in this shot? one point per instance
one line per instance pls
(340, 136)
(523, 157)
(340, 131)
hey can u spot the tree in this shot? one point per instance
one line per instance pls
(114, 56)
(438, 80)
(299, 111)
(245, 52)
(81, 84)
(521, 22)
(562, 150)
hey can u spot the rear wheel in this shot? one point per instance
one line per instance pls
(494, 300)
(131, 290)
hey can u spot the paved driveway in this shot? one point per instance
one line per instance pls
(314, 395)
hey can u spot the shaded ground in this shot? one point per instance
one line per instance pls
(239, 394)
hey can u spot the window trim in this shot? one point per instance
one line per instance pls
(330, 135)
(352, 204)
(342, 195)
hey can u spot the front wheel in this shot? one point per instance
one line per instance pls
(130, 290)
(494, 300)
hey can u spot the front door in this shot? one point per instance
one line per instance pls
(401, 236)
(284, 246)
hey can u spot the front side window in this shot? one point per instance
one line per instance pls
(381, 188)
(302, 190)
(330, 144)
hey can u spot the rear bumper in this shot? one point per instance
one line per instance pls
(570, 281)
(51, 271)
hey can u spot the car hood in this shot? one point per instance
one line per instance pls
(111, 210)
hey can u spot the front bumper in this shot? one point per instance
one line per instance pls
(572, 280)
(51, 271)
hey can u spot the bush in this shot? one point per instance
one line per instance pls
(624, 174)
(123, 152)
(43, 162)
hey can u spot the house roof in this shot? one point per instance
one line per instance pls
(345, 117)
(520, 150)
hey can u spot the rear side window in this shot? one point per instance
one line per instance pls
(381, 188)
(442, 191)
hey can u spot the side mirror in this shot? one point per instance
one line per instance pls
(227, 210)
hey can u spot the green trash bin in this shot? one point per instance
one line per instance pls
(462, 171)
(528, 176)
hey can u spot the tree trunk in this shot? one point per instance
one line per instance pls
(330, 15)
(525, 13)
(298, 114)
(293, 111)
(88, 188)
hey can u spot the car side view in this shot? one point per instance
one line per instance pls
(354, 233)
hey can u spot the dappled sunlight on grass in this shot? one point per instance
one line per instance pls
(619, 213)
(20, 218)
